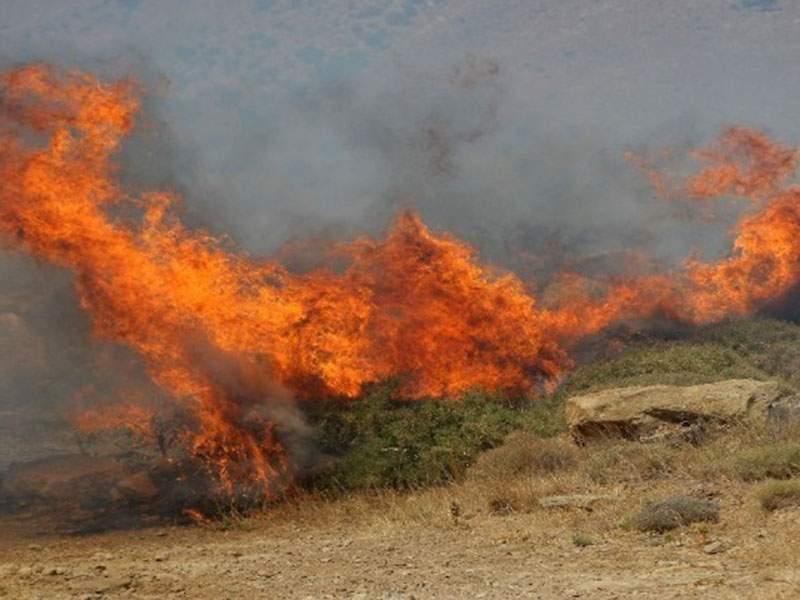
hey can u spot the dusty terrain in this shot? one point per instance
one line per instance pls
(491, 535)
(412, 547)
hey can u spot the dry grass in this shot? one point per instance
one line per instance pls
(524, 455)
(775, 495)
(780, 460)
(499, 497)
(615, 461)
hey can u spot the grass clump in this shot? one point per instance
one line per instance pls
(626, 461)
(674, 512)
(775, 495)
(780, 460)
(523, 455)
(581, 540)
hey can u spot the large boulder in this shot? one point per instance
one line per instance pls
(651, 411)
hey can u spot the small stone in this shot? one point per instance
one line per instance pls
(113, 584)
(101, 556)
(713, 548)
(161, 557)
(584, 501)
(55, 571)
(24, 571)
(35, 548)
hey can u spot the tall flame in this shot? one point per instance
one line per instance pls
(219, 330)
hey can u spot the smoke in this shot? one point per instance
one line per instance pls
(342, 159)
(255, 396)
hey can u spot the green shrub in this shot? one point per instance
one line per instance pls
(768, 344)
(747, 348)
(675, 512)
(581, 540)
(667, 363)
(380, 441)
(779, 494)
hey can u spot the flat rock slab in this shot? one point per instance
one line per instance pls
(638, 412)
(584, 501)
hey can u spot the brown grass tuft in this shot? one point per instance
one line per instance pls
(524, 455)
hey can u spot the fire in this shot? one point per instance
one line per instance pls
(224, 334)
(135, 417)
(744, 162)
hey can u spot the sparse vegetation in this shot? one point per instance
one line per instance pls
(581, 540)
(524, 454)
(626, 461)
(777, 460)
(674, 512)
(775, 495)
(685, 362)
(757, 348)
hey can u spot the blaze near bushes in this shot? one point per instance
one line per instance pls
(229, 337)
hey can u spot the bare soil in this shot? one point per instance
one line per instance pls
(412, 547)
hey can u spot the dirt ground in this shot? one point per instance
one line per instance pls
(354, 549)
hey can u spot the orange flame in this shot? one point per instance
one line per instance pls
(744, 162)
(415, 303)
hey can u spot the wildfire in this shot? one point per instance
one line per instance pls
(223, 333)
